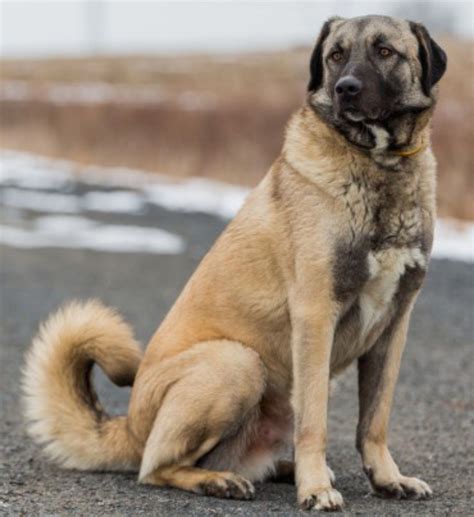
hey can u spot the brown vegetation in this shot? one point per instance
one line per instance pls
(221, 117)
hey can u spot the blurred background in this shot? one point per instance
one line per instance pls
(94, 93)
(200, 88)
(130, 133)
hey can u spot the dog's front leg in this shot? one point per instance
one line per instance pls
(378, 373)
(313, 332)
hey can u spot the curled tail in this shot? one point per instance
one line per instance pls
(60, 402)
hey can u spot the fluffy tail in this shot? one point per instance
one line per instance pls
(60, 402)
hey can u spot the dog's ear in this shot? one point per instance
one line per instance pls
(432, 57)
(316, 62)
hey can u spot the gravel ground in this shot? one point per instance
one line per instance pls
(433, 416)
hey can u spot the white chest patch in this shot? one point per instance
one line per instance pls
(382, 141)
(381, 136)
(386, 267)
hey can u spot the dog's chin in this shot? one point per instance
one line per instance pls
(353, 115)
(369, 117)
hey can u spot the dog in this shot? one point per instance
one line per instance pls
(321, 267)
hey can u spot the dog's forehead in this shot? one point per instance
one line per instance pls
(348, 32)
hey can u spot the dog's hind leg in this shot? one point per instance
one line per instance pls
(227, 485)
(213, 393)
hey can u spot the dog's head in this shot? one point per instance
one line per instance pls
(374, 71)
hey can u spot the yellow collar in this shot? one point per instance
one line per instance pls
(411, 152)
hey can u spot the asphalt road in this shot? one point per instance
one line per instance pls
(433, 416)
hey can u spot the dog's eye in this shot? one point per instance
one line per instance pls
(336, 56)
(385, 52)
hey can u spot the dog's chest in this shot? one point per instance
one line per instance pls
(384, 240)
(385, 271)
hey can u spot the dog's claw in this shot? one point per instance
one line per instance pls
(328, 500)
(231, 486)
(403, 488)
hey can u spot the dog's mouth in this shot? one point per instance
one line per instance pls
(353, 115)
(358, 115)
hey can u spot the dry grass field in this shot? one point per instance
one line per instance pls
(216, 116)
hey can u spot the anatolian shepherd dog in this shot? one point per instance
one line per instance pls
(320, 267)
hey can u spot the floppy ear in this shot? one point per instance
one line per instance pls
(316, 62)
(432, 57)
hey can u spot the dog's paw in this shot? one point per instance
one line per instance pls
(401, 487)
(415, 488)
(404, 488)
(228, 486)
(327, 499)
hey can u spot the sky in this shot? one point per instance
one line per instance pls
(72, 27)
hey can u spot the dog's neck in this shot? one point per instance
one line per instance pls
(390, 142)
(392, 155)
(400, 138)
(310, 141)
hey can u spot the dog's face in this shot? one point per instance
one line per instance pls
(373, 70)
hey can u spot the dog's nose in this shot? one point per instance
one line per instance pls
(348, 86)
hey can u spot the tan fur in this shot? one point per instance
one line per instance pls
(240, 367)
(63, 412)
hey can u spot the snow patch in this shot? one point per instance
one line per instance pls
(35, 172)
(124, 202)
(191, 195)
(103, 93)
(79, 232)
(117, 202)
(40, 201)
(198, 195)
(453, 239)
